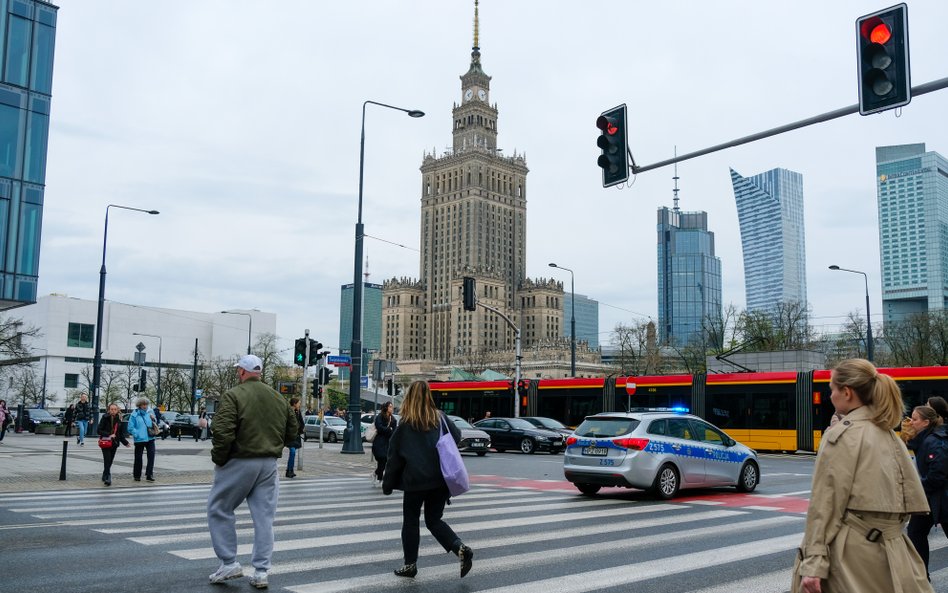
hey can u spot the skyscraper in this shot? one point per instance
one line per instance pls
(587, 318)
(28, 34)
(770, 213)
(689, 275)
(371, 321)
(912, 190)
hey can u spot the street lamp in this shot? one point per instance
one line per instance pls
(249, 329)
(353, 443)
(572, 319)
(868, 318)
(97, 356)
(157, 387)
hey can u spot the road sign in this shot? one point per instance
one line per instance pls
(364, 381)
(630, 388)
(340, 361)
(198, 393)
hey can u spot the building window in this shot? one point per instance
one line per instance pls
(72, 381)
(80, 335)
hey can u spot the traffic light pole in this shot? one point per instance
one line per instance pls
(921, 89)
(519, 357)
(306, 368)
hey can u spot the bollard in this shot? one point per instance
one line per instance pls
(62, 468)
(299, 458)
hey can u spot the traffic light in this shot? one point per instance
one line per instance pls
(314, 389)
(614, 142)
(325, 375)
(314, 355)
(522, 386)
(882, 52)
(470, 298)
(140, 386)
(388, 387)
(299, 352)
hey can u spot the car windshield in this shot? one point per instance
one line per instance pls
(606, 427)
(37, 414)
(334, 421)
(460, 422)
(549, 423)
(520, 423)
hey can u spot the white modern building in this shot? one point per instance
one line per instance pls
(65, 348)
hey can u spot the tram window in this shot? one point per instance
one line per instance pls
(727, 410)
(770, 410)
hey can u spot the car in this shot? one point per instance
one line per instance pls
(185, 425)
(473, 440)
(549, 424)
(660, 450)
(517, 433)
(333, 428)
(167, 419)
(35, 417)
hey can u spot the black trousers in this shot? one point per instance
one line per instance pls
(108, 456)
(380, 466)
(149, 448)
(918, 529)
(433, 501)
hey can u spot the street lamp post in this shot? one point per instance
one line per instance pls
(249, 329)
(865, 276)
(572, 318)
(97, 356)
(353, 443)
(158, 386)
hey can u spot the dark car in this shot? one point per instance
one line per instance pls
(186, 425)
(549, 424)
(517, 433)
(167, 420)
(35, 417)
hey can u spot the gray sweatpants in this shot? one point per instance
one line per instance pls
(254, 480)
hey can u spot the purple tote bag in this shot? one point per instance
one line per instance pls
(452, 466)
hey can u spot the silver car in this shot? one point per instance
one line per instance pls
(661, 451)
(472, 439)
(333, 428)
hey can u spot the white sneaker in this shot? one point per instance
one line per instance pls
(259, 580)
(227, 572)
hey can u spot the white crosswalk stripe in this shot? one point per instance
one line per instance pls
(343, 536)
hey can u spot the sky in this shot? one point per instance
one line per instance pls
(239, 121)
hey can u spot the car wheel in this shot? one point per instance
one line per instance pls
(481, 453)
(588, 489)
(750, 477)
(527, 446)
(666, 482)
(332, 437)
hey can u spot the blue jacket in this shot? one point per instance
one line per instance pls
(931, 458)
(138, 423)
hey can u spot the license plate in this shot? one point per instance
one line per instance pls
(596, 451)
(477, 444)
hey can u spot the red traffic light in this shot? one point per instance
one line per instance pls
(880, 34)
(607, 125)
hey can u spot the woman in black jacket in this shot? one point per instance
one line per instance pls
(414, 467)
(385, 425)
(931, 457)
(110, 427)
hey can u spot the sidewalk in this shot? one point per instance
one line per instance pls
(32, 462)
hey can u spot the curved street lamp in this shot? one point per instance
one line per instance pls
(249, 329)
(572, 319)
(869, 351)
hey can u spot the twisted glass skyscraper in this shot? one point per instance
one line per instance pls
(770, 213)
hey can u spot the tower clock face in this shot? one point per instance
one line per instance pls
(482, 94)
(468, 94)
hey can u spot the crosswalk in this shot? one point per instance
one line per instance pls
(341, 535)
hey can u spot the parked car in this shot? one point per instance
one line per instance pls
(37, 416)
(549, 424)
(167, 419)
(185, 425)
(517, 433)
(333, 428)
(661, 451)
(473, 439)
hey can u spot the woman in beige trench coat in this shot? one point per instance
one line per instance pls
(864, 489)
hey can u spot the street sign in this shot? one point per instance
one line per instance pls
(198, 393)
(364, 381)
(340, 361)
(630, 388)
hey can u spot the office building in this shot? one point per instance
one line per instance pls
(912, 191)
(587, 319)
(770, 213)
(371, 323)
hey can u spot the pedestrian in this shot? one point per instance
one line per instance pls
(486, 415)
(931, 457)
(938, 403)
(139, 422)
(864, 489)
(252, 425)
(6, 418)
(69, 416)
(83, 416)
(201, 433)
(414, 467)
(298, 442)
(110, 427)
(385, 425)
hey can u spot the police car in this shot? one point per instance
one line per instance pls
(660, 450)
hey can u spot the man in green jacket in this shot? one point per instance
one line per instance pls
(252, 425)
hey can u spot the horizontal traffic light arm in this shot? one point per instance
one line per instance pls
(921, 89)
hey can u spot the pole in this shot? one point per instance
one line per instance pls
(158, 387)
(572, 324)
(194, 376)
(45, 367)
(869, 350)
(517, 351)
(319, 399)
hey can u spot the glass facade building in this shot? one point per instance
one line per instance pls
(28, 33)
(587, 318)
(770, 213)
(371, 322)
(912, 192)
(689, 275)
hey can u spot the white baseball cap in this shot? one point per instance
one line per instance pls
(250, 363)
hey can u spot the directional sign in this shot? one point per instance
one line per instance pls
(340, 361)
(365, 381)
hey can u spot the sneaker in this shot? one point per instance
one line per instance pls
(227, 572)
(409, 570)
(466, 555)
(259, 580)
(150, 478)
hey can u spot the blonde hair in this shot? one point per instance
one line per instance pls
(879, 392)
(929, 413)
(418, 409)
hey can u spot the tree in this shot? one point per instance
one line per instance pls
(785, 327)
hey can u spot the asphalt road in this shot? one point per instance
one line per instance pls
(531, 532)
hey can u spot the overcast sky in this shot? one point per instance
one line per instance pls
(239, 121)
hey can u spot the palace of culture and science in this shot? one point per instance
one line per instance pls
(474, 223)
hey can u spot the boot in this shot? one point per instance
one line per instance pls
(409, 570)
(466, 555)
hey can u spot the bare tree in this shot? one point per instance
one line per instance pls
(786, 327)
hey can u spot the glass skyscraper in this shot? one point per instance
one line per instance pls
(912, 190)
(28, 33)
(770, 213)
(587, 318)
(371, 322)
(689, 275)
